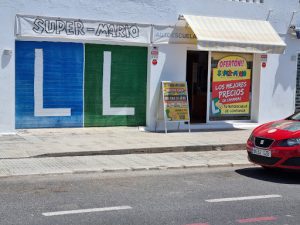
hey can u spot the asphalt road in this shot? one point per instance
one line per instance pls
(173, 197)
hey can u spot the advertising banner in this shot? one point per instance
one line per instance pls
(80, 29)
(175, 100)
(231, 86)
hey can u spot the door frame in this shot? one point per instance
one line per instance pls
(208, 87)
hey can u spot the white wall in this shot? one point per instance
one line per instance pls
(255, 87)
(156, 12)
(7, 71)
(278, 84)
(171, 66)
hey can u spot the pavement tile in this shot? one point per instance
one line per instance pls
(120, 163)
(4, 172)
(45, 141)
(29, 143)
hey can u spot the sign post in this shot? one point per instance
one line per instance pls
(175, 103)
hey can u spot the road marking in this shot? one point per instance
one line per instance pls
(58, 213)
(198, 224)
(243, 198)
(258, 219)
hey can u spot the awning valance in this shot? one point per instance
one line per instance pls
(235, 35)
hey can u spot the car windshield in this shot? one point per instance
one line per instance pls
(296, 116)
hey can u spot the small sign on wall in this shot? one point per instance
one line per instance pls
(264, 58)
(154, 55)
(154, 52)
(154, 62)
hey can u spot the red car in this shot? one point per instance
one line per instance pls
(276, 144)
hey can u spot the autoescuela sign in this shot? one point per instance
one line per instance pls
(231, 86)
(173, 35)
(37, 26)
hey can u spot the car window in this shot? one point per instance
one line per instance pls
(296, 116)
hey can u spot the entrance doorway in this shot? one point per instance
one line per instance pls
(196, 75)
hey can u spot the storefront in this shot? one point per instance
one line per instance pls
(223, 68)
(93, 68)
(67, 84)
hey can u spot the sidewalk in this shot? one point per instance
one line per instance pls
(73, 150)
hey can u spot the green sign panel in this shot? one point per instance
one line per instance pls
(115, 85)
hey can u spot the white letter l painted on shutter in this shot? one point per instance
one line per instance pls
(39, 109)
(107, 109)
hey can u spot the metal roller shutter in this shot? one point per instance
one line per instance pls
(49, 84)
(115, 85)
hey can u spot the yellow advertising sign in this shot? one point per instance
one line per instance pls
(237, 108)
(177, 114)
(175, 99)
(229, 75)
(231, 68)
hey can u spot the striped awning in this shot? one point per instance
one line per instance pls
(235, 35)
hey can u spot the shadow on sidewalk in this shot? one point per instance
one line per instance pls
(274, 176)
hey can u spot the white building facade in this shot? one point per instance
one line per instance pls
(101, 63)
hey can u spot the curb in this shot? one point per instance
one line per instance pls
(124, 170)
(198, 148)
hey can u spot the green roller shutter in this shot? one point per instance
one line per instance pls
(128, 83)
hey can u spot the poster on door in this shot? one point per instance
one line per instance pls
(231, 87)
